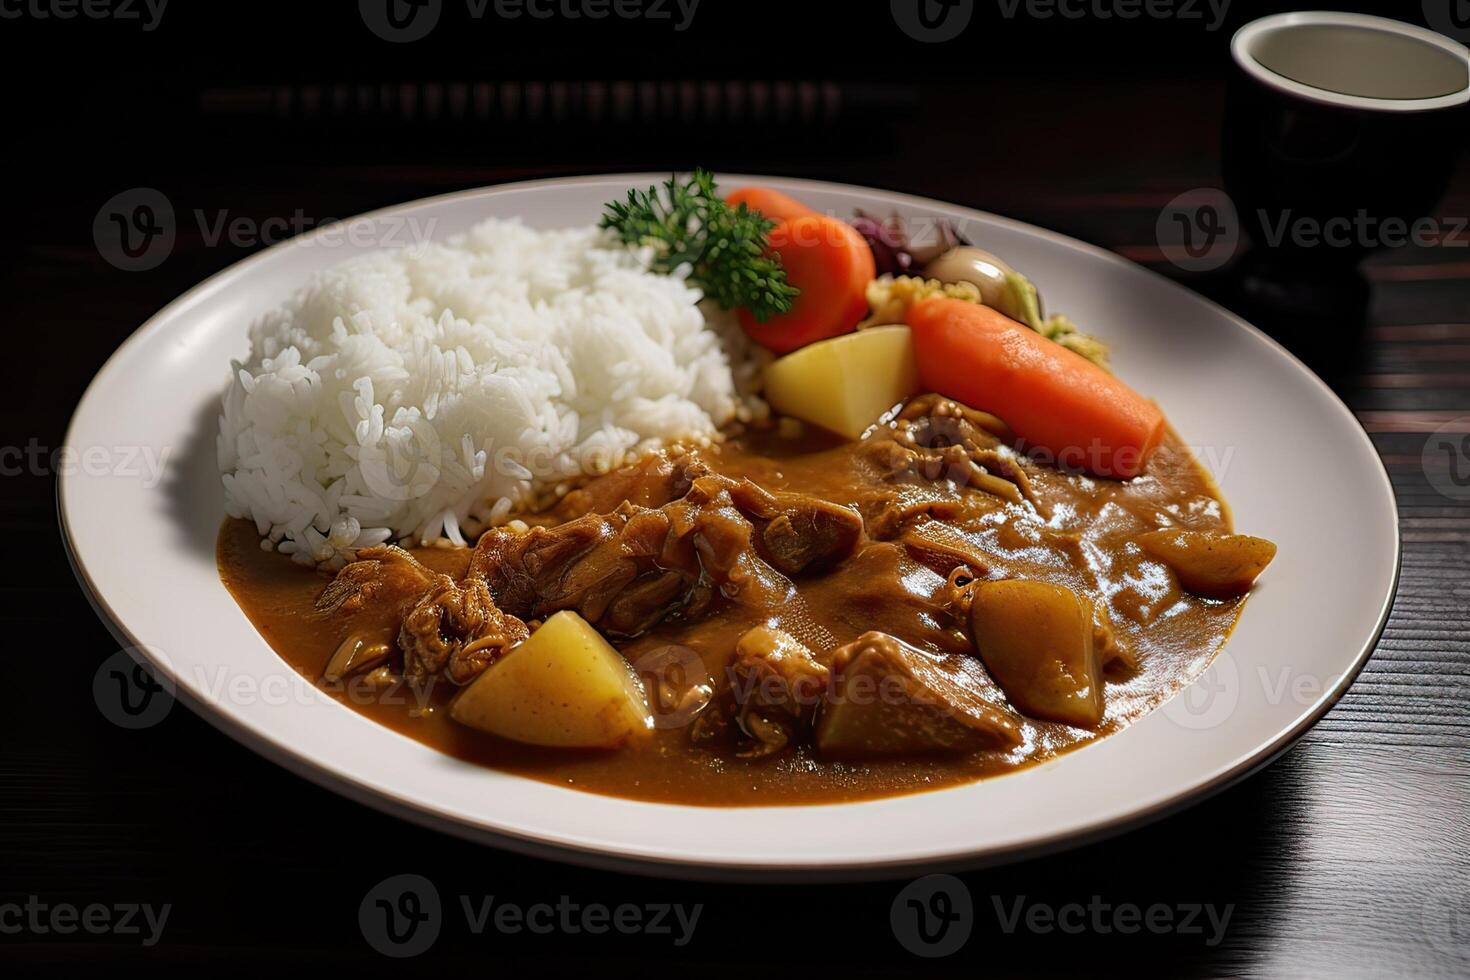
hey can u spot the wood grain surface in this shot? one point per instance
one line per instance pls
(1347, 857)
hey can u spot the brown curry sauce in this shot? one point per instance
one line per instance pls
(1078, 534)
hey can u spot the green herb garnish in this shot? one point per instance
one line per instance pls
(725, 247)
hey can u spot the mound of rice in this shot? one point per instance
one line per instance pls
(421, 394)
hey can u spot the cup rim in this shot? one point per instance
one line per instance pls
(1240, 46)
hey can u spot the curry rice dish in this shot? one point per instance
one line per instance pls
(895, 580)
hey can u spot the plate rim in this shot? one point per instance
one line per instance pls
(716, 867)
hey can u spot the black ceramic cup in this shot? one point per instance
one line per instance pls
(1341, 133)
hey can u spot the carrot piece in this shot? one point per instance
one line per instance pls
(832, 265)
(773, 204)
(1058, 403)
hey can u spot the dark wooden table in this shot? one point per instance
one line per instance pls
(1348, 857)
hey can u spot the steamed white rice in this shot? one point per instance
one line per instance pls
(420, 394)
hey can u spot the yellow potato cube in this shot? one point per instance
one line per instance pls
(565, 686)
(846, 383)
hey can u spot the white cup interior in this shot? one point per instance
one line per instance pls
(1355, 60)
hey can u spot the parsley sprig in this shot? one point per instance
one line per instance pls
(725, 247)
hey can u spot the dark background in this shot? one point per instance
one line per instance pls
(1348, 857)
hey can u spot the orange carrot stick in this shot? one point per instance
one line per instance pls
(773, 204)
(1058, 403)
(832, 265)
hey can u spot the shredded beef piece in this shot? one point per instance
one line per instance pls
(627, 570)
(934, 450)
(456, 628)
(623, 571)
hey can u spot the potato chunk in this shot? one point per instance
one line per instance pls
(846, 383)
(890, 698)
(1216, 566)
(1039, 642)
(565, 686)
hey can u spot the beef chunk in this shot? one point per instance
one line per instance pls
(623, 571)
(392, 603)
(798, 531)
(580, 565)
(383, 580)
(933, 451)
(366, 602)
(627, 570)
(653, 481)
(646, 601)
(889, 698)
(777, 683)
(456, 628)
(604, 566)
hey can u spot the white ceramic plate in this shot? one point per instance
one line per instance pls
(1289, 456)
